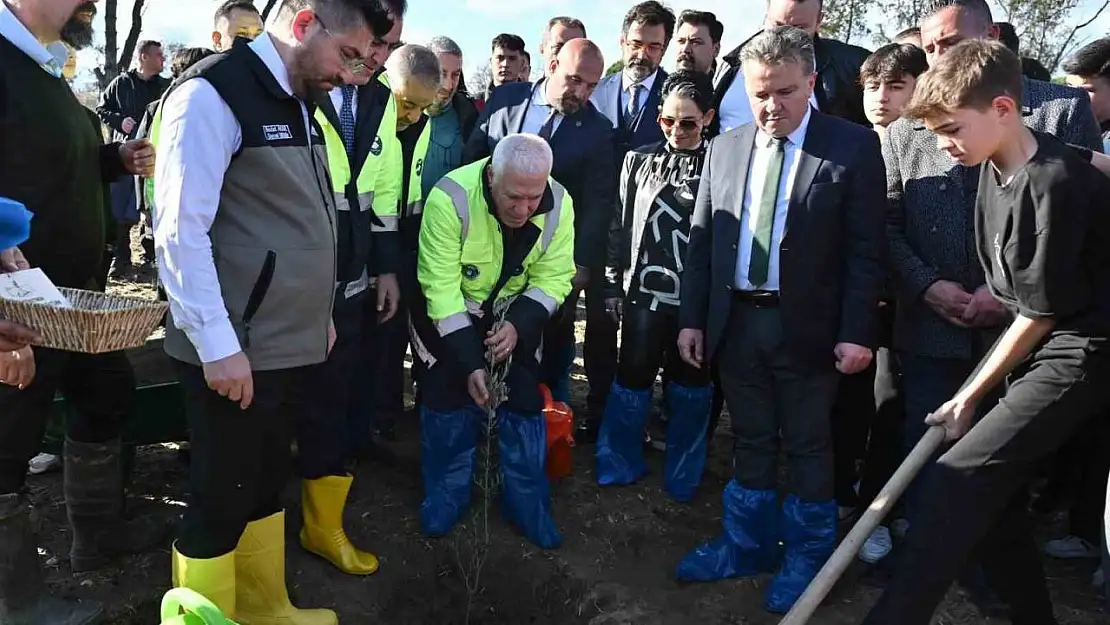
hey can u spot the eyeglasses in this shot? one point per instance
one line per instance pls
(356, 64)
(688, 125)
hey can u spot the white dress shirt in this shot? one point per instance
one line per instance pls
(198, 136)
(736, 108)
(336, 96)
(626, 91)
(749, 217)
(51, 58)
(538, 112)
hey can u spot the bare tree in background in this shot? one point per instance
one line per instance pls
(479, 81)
(270, 4)
(115, 64)
(846, 20)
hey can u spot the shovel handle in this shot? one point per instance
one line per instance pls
(846, 552)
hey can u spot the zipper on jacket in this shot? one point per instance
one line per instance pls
(258, 294)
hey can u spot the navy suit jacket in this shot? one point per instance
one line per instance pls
(644, 129)
(831, 261)
(582, 146)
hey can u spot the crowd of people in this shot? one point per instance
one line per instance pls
(321, 198)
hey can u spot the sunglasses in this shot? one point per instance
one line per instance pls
(688, 125)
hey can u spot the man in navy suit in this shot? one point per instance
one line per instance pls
(783, 270)
(558, 109)
(630, 99)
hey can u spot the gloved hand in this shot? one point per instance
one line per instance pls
(15, 223)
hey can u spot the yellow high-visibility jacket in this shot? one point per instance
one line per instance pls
(462, 258)
(368, 207)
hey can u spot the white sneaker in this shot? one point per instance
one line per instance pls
(43, 463)
(1098, 580)
(1071, 547)
(877, 546)
(900, 527)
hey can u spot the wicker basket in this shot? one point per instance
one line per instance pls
(97, 323)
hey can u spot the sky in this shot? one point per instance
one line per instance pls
(473, 23)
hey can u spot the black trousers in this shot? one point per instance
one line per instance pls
(387, 343)
(599, 353)
(868, 420)
(649, 340)
(975, 501)
(240, 458)
(775, 403)
(322, 431)
(100, 388)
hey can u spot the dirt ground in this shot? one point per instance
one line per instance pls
(616, 566)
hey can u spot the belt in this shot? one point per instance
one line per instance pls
(759, 299)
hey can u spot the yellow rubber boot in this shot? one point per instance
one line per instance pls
(212, 578)
(323, 501)
(260, 592)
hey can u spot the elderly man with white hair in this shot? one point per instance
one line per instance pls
(497, 234)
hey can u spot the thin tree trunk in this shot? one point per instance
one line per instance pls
(269, 7)
(132, 36)
(1071, 35)
(111, 70)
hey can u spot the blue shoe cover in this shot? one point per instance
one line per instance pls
(686, 439)
(448, 444)
(809, 532)
(620, 441)
(749, 545)
(525, 491)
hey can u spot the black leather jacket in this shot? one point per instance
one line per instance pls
(838, 89)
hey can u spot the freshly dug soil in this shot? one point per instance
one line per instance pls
(616, 566)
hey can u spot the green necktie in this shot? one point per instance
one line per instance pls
(765, 225)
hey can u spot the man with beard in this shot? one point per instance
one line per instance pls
(245, 233)
(630, 99)
(698, 41)
(52, 161)
(558, 108)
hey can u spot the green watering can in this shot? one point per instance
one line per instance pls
(182, 606)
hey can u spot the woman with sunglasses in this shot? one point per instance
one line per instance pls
(658, 186)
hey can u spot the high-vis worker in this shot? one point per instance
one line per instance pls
(498, 232)
(414, 76)
(357, 120)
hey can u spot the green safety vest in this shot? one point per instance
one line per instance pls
(461, 250)
(414, 203)
(379, 180)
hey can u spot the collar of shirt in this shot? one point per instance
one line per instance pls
(647, 83)
(263, 46)
(539, 94)
(794, 139)
(50, 57)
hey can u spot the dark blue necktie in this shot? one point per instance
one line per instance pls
(347, 119)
